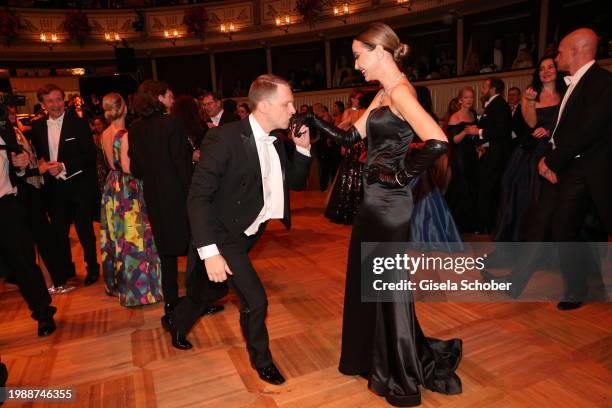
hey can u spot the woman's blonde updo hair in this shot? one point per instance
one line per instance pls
(464, 90)
(381, 34)
(114, 106)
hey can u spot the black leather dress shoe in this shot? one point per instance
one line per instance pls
(90, 279)
(212, 309)
(179, 340)
(46, 327)
(568, 305)
(271, 375)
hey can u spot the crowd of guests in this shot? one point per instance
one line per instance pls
(83, 167)
(494, 176)
(89, 162)
(490, 178)
(532, 167)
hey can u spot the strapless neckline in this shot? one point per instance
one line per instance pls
(390, 111)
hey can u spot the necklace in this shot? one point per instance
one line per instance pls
(384, 91)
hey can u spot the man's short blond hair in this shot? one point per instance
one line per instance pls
(263, 87)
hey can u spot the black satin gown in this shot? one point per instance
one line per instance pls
(521, 180)
(463, 188)
(384, 340)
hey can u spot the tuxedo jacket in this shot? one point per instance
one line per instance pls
(496, 123)
(160, 156)
(226, 117)
(585, 129)
(226, 192)
(76, 150)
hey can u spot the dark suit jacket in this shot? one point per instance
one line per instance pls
(226, 192)
(585, 129)
(496, 122)
(160, 155)
(226, 117)
(76, 150)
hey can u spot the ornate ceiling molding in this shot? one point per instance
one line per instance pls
(254, 21)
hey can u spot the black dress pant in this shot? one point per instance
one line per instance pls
(44, 235)
(169, 278)
(560, 215)
(245, 282)
(71, 201)
(17, 251)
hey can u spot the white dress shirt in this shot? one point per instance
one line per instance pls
(272, 182)
(571, 81)
(6, 187)
(54, 130)
(217, 118)
(480, 131)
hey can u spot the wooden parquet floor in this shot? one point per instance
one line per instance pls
(515, 354)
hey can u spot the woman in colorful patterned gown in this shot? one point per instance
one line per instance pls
(131, 266)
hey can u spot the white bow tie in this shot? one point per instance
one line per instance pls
(266, 139)
(568, 80)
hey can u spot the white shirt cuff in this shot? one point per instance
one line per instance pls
(208, 251)
(303, 150)
(480, 133)
(62, 174)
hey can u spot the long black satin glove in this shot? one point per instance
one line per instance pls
(413, 165)
(346, 138)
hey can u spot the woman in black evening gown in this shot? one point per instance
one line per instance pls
(384, 341)
(521, 181)
(461, 193)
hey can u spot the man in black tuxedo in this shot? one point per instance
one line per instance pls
(217, 116)
(241, 181)
(577, 176)
(579, 166)
(495, 132)
(16, 243)
(65, 145)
